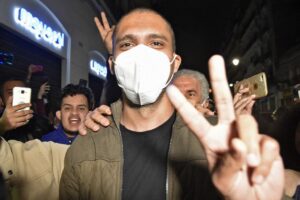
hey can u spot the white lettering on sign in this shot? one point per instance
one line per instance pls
(99, 69)
(38, 28)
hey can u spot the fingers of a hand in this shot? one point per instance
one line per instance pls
(243, 90)
(100, 117)
(100, 27)
(108, 40)
(209, 112)
(241, 104)
(221, 91)
(22, 106)
(269, 153)
(23, 113)
(230, 164)
(248, 133)
(82, 130)
(91, 124)
(104, 21)
(22, 123)
(205, 111)
(241, 87)
(194, 120)
(250, 106)
(238, 152)
(104, 110)
(9, 102)
(236, 97)
(109, 34)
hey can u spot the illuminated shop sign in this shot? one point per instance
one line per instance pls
(38, 28)
(98, 69)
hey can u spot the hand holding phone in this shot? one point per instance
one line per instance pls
(21, 95)
(257, 85)
(12, 118)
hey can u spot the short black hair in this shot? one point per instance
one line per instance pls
(72, 90)
(7, 80)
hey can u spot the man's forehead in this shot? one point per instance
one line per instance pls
(143, 23)
(74, 99)
(10, 84)
(186, 79)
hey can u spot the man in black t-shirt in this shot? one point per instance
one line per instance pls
(242, 165)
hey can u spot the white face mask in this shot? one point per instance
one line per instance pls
(142, 73)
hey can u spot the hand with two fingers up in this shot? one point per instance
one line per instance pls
(243, 163)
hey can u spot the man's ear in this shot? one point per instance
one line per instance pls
(177, 63)
(111, 64)
(58, 115)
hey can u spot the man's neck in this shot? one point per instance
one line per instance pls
(70, 135)
(148, 117)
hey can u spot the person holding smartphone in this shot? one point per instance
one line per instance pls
(14, 118)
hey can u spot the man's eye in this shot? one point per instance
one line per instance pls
(157, 44)
(126, 45)
(82, 109)
(67, 109)
(191, 94)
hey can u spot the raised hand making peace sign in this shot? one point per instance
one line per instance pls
(244, 164)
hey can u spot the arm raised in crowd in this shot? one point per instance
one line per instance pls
(243, 164)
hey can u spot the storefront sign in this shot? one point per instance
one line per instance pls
(97, 64)
(99, 69)
(37, 27)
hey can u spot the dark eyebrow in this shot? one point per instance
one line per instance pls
(192, 91)
(133, 38)
(82, 105)
(157, 36)
(126, 37)
(66, 104)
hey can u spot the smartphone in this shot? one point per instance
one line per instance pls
(257, 85)
(21, 95)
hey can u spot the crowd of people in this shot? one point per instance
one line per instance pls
(163, 138)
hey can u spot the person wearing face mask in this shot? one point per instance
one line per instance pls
(192, 84)
(148, 152)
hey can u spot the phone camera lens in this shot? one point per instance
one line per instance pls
(22, 91)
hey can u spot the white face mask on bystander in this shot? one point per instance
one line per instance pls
(142, 73)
